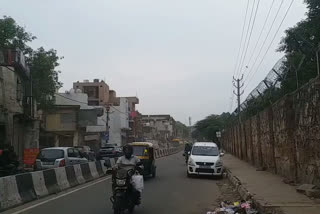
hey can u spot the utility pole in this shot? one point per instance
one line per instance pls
(190, 135)
(107, 123)
(238, 85)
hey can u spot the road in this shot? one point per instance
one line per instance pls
(171, 192)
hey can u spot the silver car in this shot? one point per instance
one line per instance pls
(58, 157)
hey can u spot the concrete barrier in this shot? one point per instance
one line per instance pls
(51, 182)
(25, 187)
(99, 168)
(9, 193)
(86, 173)
(93, 170)
(79, 175)
(71, 176)
(62, 179)
(39, 184)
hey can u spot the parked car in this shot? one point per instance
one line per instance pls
(110, 151)
(58, 157)
(87, 152)
(205, 159)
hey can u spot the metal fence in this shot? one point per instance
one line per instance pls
(272, 80)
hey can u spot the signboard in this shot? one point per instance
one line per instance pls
(30, 155)
(218, 134)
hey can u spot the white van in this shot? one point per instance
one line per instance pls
(205, 159)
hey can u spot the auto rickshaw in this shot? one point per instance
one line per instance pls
(145, 152)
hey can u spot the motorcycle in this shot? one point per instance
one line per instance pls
(186, 155)
(125, 196)
(8, 170)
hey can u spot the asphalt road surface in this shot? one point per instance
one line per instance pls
(171, 192)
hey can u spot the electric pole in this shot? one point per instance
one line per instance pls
(190, 134)
(238, 85)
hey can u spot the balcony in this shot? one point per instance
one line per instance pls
(15, 58)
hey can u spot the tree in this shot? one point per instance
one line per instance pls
(182, 130)
(44, 76)
(42, 63)
(207, 128)
(13, 36)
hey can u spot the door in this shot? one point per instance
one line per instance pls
(79, 157)
(72, 157)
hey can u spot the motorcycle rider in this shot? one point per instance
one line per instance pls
(128, 159)
(8, 158)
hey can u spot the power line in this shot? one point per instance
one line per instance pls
(119, 111)
(244, 25)
(71, 99)
(236, 64)
(252, 27)
(263, 27)
(245, 41)
(265, 40)
(272, 41)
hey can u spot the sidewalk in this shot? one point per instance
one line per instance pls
(268, 190)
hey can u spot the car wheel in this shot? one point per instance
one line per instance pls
(154, 173)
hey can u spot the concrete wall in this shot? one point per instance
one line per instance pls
(119, 122)
(62, 120)
(20, 132)
(284, 138)
(72, 98)
(13, 99)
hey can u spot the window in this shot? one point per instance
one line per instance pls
(70, 153)
(140, 151)
(67, 118)
(51, 154)
(76, 153)
(91, 91)
(205, 151)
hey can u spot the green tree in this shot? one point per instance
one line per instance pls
(207, 128)
(182, 130)
(42, 63)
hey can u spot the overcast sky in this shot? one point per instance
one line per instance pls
(178, 56)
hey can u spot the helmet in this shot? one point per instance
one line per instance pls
(128, 151)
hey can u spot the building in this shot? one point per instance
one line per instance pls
(133, 119)
(122, 118)
(97, 91)
(72, 122)
(19, 123)
(119, 122)
(159, 127)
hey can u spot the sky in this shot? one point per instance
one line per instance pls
(177, 56)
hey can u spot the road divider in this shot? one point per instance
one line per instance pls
(19, 189)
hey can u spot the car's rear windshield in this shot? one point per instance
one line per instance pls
(205, 151)
(140, 151)
(51, 154)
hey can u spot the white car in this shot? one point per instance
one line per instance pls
(58, 157)
(205, 159)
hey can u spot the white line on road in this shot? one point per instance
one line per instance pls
(60, 196)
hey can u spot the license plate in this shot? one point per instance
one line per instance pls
(205, 167)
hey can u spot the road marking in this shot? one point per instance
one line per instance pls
(60, 196)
